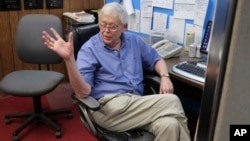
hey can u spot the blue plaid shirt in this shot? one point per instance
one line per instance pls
(109, 71)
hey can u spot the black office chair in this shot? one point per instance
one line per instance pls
(82, 34)
(34, 83)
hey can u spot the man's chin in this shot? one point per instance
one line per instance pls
(107, 42)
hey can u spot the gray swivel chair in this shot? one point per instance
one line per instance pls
(82, 34)
(34, 83)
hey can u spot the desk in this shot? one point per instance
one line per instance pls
(183, 57)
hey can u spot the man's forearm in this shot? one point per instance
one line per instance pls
(161, 67)
(81, 88)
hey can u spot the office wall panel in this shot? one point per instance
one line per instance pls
(226, 93)
(234, 102)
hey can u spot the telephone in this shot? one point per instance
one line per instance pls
(167, 49)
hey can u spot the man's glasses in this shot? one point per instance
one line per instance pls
(110, 27)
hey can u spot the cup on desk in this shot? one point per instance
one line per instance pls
(198, 53)
(192, 50)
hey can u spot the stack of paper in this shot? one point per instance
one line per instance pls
(80, 17)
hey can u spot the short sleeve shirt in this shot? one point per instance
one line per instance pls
(109, 71)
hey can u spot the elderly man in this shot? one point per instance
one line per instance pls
(109, 67)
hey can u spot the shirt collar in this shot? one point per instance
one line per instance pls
(107, 47)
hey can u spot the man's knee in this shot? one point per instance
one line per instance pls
(165, 124)
(170, 123)
(172, 98)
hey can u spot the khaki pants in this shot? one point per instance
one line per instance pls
(160, 114)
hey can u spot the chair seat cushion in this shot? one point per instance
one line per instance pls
(30, 82)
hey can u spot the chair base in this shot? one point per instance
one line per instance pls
(37, 115)
(130, 135)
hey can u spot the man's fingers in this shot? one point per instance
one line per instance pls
(162, 91)
(47, 37)
(70, 37)
(48, 44)
(55, 33)
(47, 40)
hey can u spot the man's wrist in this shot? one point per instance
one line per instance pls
(165, 75)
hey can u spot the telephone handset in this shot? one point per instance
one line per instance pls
(167, 49)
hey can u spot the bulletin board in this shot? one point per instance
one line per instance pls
(177, 16)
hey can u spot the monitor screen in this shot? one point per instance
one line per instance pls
(206, 42)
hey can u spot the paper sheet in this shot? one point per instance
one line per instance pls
(160, 21)
(177, 25)
(129, 6)
(201, 11)
(185, 1)
(146, 8)
(198, 34)
(145, 26)
(146, 16)
(184, 11)
(163, 3)
(134, 21)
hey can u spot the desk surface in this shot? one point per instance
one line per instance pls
(183, 57)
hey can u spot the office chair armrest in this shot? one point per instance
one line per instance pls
(152, 80)
(89, 102)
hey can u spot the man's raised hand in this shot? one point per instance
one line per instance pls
(58, 45)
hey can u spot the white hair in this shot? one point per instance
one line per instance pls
(117, 9)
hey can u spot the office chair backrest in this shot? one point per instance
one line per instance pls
(82, 34)
(29, 44)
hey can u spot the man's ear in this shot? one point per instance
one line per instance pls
(125, 26)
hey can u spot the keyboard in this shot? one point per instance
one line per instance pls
(191, 69)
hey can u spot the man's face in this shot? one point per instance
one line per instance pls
(111, 29)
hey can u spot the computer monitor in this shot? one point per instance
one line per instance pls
(205, 41)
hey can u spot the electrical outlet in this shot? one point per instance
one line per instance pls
(54, 4)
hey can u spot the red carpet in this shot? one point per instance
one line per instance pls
(72, 129)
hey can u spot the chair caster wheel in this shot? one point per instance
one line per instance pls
(58, 134)
(69, 115)
(15, 138)
(7, 121)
